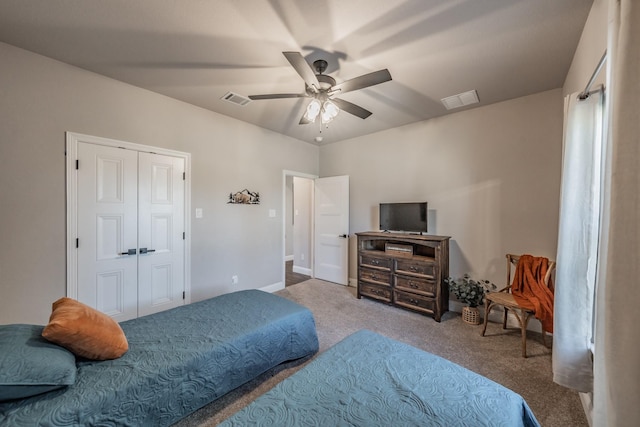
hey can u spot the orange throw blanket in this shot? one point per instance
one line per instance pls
(530, 291)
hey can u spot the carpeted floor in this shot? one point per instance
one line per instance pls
(338, 313)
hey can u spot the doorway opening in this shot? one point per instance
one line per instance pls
(291, 277)
(319, 239)
(298, 227)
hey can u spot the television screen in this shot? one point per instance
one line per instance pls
(410, 217)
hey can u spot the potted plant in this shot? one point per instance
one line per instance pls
(471, 292)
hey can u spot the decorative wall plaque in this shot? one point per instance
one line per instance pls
(244, 197)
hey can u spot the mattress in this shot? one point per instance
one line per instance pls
(178, 361)
(370, 380)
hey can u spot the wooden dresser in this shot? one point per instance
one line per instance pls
(405, 270)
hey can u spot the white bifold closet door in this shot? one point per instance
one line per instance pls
(130, 213)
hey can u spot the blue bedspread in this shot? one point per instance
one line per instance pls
(178, 361)
(370, 380)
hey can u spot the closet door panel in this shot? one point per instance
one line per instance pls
(160, 231)
(107, 229)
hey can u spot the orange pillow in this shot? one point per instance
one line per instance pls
(85, 331)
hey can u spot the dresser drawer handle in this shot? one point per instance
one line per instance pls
(414, 301)
(412, 268)
(374, 277)
(375, 262)
(414, 285)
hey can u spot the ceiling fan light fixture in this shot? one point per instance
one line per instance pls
(313, 109)
(329, 111)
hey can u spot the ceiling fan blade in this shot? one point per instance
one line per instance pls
(303, 119)
(363, 81)
(351, 108)
(301, 66)
(278, 96)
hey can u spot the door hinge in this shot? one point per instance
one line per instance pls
(77, 243)
(183, 235)
(77, 164)
(184, 176)
(184, 295)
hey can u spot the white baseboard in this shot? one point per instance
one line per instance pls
(273, 288)
(288, 258)
(302, 270)
(496, 316)
(587, 405)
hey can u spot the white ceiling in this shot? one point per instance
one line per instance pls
(198, 50)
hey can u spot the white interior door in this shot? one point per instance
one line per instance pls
(160, 233)
(332, 229)
(107, 229)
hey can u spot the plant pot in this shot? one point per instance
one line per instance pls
(471, 315)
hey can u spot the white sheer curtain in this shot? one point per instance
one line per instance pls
(577, 253)
(617, 350)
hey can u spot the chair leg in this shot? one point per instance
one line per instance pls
(523, 320)
(544, 338)
(523, 325)
(504, 318)
(487, 308)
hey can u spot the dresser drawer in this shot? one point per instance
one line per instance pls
(382, 293)
(415, 302)
(426, 269)
(376, 262)
(425, 287)
(371, 275)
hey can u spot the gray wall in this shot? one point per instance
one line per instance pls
(40, 99)
(491, 176)
(593, 43)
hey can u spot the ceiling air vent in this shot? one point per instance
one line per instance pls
(460, 100)
(234, 98)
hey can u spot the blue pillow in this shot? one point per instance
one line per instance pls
(31, 365)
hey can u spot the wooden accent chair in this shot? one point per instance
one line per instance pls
(505, 299)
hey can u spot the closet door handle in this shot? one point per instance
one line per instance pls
(130, 252)
(344, 236)
(146, 251)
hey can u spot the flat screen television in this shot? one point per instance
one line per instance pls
(407, 217)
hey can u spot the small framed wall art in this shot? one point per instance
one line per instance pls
(244, 197)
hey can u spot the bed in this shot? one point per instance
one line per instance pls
(370, 380)
(178, 361)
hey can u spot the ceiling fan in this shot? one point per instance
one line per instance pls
(323, 89)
